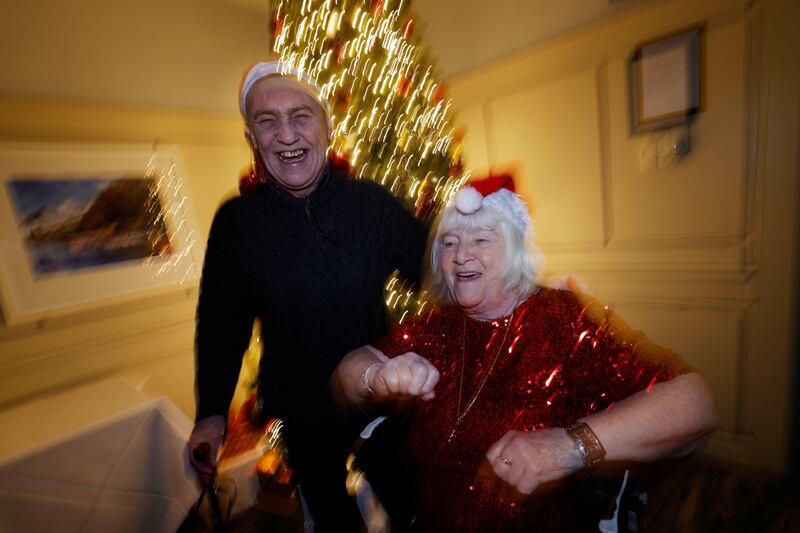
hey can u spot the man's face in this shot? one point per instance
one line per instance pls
(290, 131)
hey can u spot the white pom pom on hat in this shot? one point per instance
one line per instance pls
(468, 200)
(498, 193)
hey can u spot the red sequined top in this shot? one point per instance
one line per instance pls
(560, 358)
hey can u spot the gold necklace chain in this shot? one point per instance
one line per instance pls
(460, 415)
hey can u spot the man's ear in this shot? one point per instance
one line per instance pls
(329, 129)
(248, 135)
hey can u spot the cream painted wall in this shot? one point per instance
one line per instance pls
(180, 53)
(82, 72)
(681, 251)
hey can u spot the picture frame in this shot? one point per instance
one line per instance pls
(87, 225)
(667, 79)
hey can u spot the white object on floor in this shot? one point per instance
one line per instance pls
(610, 525)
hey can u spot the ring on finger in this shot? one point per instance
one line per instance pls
(506, 461)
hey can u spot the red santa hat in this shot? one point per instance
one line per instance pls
(495, 192)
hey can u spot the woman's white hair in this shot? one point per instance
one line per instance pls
(523, 260)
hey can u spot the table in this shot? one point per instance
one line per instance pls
(107, 456)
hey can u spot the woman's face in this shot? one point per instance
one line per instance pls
(471, 261)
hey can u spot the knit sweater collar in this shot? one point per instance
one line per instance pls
(329, 183)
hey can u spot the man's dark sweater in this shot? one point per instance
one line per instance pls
(313, 270)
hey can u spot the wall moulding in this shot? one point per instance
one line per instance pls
(721, 240)
(726, 239)
(604, 136)
(738, 305)
(70, 349)
(515, 81)
(588, 45)
(141, 305)
(82, 342)
(757, 87)
(127, 349)
(528, 130)
(32, 380)
(571, 246)
(712, 334)
(644, 243)
(39, 119)
(683, 273)
(538, 66)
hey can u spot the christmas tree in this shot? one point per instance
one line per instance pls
(392, 120)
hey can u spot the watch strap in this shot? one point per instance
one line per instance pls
(587, 443)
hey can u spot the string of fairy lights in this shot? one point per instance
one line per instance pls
(168, 204)
(386, 102)
(391, 118)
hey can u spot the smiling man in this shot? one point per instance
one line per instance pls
(308, 253)
(290, 131)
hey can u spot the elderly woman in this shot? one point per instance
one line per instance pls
(520, 385)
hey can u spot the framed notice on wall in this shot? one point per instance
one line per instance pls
(667, 80)
(87, 225)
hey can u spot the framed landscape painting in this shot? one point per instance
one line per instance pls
(83, 225)
(69, 224)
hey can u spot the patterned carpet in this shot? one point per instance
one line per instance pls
(703, 494)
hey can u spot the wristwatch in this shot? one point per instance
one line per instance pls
(587, 443)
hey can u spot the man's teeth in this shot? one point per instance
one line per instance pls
(292, 154)
(467, 275)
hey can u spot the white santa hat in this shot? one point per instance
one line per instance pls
(265, 69)
(496, 192)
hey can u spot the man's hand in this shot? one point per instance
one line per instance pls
(405, 375)
(203, 445)
(525, 460)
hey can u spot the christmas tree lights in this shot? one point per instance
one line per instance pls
(391, 117)
(168, 205)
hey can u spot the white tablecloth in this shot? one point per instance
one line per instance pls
(105, 457)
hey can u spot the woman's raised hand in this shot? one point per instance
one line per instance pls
(405, 375)
(526, 459)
